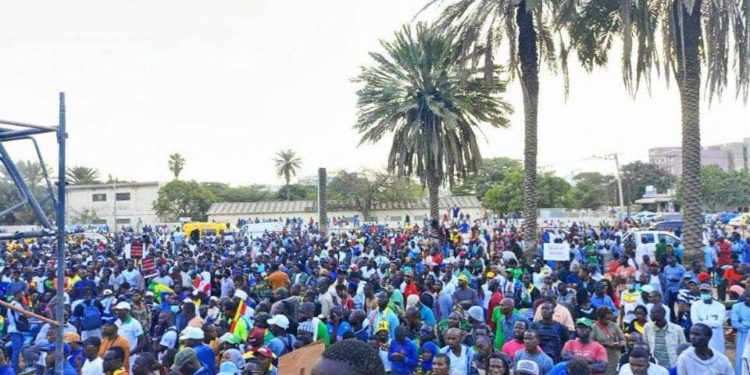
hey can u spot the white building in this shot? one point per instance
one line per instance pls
(126, 203)
(393, 213)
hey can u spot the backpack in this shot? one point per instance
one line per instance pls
(92, 317)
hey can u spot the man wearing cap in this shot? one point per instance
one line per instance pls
(265, 357)
(186, 363)
(130, 328)
(711, 313)
(193, 338)
(282, 342)
(465, 295)
(582, 346)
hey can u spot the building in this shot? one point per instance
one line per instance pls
(393, 213)
(127, 203)
(729, 157)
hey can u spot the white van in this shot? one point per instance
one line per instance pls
(651, 236)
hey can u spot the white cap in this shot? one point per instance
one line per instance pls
(187, 300)
(122, 306)
(149, 294)
(193, 333)
(279, 320)
(107, 292)
(239, 293)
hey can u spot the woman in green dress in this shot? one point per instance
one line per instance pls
(609, 335)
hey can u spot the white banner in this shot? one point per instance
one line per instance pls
(557, 251)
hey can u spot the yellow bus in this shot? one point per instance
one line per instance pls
(196, 230)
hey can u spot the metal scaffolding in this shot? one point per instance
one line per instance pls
(14, 131)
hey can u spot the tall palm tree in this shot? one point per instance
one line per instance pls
(31, 171)
(82, 175)
(526, 26)
(696, 36)
(422, 94)
(176, 164)
(287, 165)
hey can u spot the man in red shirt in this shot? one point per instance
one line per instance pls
(725, 252)
(582, 346)
(733, 275)
(409, 287)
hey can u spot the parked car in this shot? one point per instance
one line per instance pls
(651, 236)
(667, 225)
(644, 217)
(725, 217)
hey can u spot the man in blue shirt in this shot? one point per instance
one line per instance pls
(193, 337)
(599, 299)
(674, 273)
(402, 353)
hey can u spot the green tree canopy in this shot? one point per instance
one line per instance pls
(176, 164)
(297, 192)
(507, 195)
(82, 175)
(248, 193)
(367, 187)
(637, 175)
(492, 171)
(592, 190)
(183, 199)
(421, 93)
(287, 164)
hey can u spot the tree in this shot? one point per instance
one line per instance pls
(365, 188)
(637, 175)
(507, 194)
(176, 164)
(680, 25)
(249, 193)
(491, 171)
(287, 165)
(296, 192)
(527, 27)
(183, 199)
(419, 93)
(82, 175)
(85, 216)
(591, 190)
(31, 172)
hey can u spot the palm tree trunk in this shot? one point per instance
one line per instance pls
(287, 187)
(433, 189)
(322, 201)
(688, 76)
(529, 58)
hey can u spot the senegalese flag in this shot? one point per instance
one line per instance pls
(2, 323)
(158, 289)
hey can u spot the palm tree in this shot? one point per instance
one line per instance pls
(526, 26)
(31, 171)
(694, 34)
(176, 164)
(422, 94)
(287, 165)
(82, 175)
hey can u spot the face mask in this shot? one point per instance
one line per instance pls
(631, 286)
(175, 309)
(706, 296)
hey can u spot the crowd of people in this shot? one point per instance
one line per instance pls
(460, 297)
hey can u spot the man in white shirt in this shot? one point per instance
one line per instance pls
(129, 328)
(92, 364)
(644, 248)
(710, 313)
(639, 364)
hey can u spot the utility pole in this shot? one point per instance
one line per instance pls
(613, 156)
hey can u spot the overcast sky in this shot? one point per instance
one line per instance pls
(227, 84)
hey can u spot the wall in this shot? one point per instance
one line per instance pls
(129, 212)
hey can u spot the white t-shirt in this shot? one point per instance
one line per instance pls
(130, 331)
(652, 370)
(458, 364)
(94, 367)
